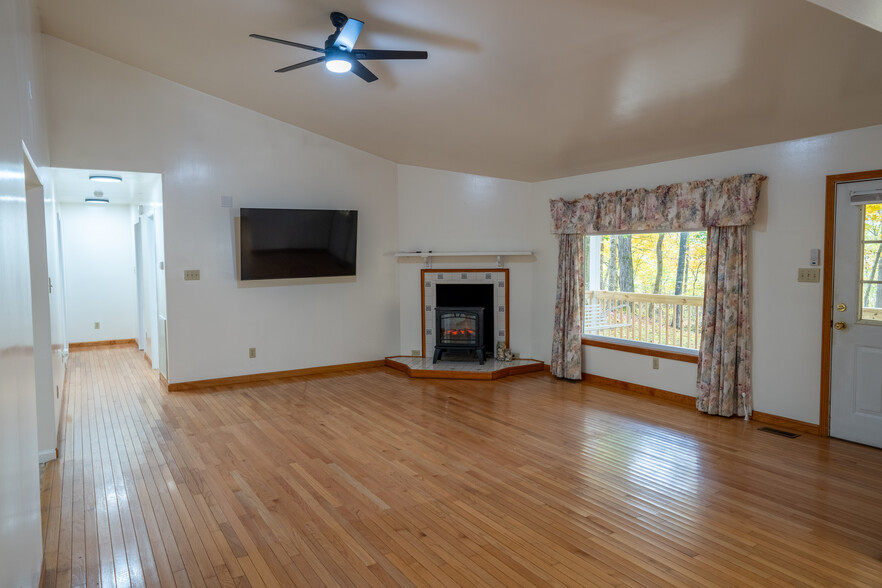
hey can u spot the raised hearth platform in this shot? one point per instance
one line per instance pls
(462, 369)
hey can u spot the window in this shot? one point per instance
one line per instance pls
(871, 270)
(646, 287)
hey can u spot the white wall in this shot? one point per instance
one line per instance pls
(99, 269)
(20, 120)
(104, 114)
(790, 222)
(446, 211)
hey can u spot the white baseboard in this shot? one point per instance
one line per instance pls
(48, 455)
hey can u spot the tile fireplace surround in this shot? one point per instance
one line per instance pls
(498, 277)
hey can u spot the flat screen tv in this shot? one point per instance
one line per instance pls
(278, 243)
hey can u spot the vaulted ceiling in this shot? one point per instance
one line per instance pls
(527, 90)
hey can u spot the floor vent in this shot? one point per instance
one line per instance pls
(778, 432)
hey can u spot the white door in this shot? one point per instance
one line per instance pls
(139, 285)
(856, 358)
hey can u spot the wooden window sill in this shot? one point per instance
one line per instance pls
(635, 347)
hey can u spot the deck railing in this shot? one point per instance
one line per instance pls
(872, 314)
(648, 318)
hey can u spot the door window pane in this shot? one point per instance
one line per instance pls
(873, 222)
(871, 266)
(872, 261)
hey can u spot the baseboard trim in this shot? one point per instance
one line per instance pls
(686, 400)
(163, 380)
(250, 378)
(109, 342)
(619, 385)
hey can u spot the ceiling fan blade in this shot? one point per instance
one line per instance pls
(284, 42)
(362, 72)
(301, 64)
(348, 34)
(381, 54)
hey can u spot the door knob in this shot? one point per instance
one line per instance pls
(839, 326)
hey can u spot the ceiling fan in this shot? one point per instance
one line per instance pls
(340, 55)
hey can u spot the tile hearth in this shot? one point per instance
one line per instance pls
(462, 367)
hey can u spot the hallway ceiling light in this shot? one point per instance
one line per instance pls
(97, 198)
(114, 179)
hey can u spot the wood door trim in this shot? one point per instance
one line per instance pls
(827, 304)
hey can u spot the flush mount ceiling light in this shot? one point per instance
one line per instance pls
(97, 198)
(108, 179)
(338, 63)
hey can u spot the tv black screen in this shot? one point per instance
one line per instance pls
(278, 243)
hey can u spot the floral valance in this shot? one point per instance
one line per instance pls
(688, 206)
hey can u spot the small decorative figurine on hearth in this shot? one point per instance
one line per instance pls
(503, 353)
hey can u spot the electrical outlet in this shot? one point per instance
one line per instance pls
(415, 352)
(655, 363)
(252, 352)
(97, 325)
(809, 274)
(191, 274)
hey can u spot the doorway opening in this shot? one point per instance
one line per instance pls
(113, 241)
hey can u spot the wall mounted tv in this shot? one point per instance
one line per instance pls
(277, 243)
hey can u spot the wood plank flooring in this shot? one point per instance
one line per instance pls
(370, 478)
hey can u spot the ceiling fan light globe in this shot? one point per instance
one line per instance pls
(338, 65)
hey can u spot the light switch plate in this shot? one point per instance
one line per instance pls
(191, 274)
(809, 274)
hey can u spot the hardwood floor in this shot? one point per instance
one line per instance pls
(371, 478)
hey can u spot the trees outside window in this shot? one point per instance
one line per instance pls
(871, 270)
(645, 287)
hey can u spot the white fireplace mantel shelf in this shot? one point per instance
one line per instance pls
(428, 255)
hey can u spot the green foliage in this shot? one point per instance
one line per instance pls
(644, 263)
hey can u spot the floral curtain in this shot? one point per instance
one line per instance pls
(688, 206)
(566, 349)
(726, 208)
(724, 360)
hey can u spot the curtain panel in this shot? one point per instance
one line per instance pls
(726, 208)
(724, 360)
(688, 206)
(566, 347)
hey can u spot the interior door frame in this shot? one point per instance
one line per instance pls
(827, 307)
